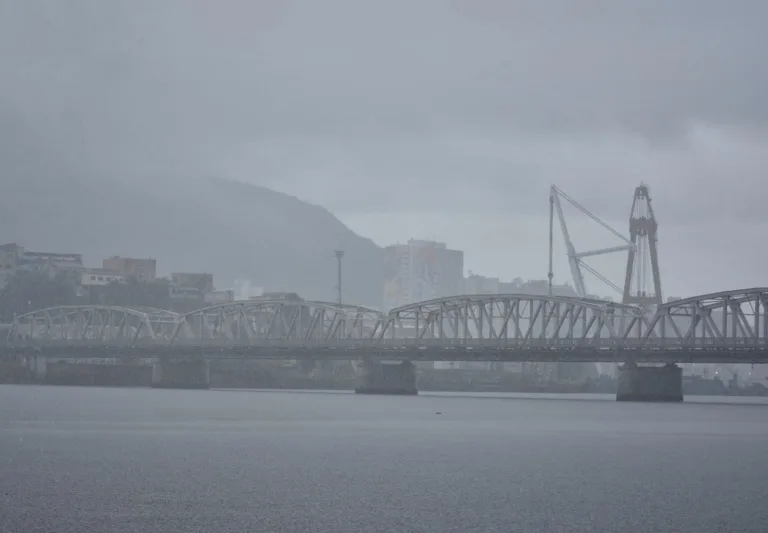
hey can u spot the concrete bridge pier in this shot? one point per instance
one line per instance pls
(39, 367)
(35, 367)
(380, 377)
(650, 383)
(181, 374)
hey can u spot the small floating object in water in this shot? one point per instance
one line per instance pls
(438, 413)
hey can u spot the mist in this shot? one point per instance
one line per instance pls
(445, 120)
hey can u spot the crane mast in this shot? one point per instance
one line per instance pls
(643, 260)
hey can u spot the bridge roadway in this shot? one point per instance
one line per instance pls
(724, 327)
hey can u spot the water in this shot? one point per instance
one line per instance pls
(139, 460)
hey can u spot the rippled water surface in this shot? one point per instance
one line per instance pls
(108, 460)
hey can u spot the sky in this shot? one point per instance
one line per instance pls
(423, 119)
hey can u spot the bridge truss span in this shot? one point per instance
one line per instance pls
(514, 320)
(94, 324)
(736, 319)
(721, 327)
(273, 321)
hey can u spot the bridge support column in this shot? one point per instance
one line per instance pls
(650, 383)
(39, 364)
(388, 378)
(183, 374)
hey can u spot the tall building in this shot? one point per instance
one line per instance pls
(421, 270)
(141, 269)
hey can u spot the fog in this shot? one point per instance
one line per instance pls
(430, 119)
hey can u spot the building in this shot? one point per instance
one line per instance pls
(184, 293)
(219, 297)
(98, 277)
(286, 296)
(9, 258)
(50, 263)
(476, 284)
(141, 269)
(200, 281)
(15, 258)
(537, 287)
(421, 270)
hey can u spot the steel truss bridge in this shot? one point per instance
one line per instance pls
(724, 327)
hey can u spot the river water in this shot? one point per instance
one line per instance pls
(140, 460)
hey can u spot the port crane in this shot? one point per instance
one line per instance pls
(641, 248)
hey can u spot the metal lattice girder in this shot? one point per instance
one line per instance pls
(93, 323)
(722, 319)
(520, 320)
(255, 321)
(716, 326)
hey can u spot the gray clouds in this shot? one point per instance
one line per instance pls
(463, 106)
(265, 69)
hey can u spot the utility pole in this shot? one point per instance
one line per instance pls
(551, 221)
(339, 255)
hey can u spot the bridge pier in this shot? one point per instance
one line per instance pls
(650, 383)
(388, 378)
(181, 374)
(38, 364)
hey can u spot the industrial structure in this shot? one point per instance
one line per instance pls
(643, 258)
(642, 282)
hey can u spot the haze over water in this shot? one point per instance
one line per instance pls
(118, 460)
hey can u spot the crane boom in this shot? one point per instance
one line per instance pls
(575, 261)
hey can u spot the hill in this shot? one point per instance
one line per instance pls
(235, 230)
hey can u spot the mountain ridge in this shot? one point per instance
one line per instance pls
(233, 229)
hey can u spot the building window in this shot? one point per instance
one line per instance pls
(93, 278)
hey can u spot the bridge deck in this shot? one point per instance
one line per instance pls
(680, 354)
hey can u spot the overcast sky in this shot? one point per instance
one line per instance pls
(424, 118)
